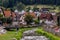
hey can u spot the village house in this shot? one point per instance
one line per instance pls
(48, 18)
(20, 15)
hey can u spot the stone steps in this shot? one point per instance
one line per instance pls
(34, 38)
(31, 35)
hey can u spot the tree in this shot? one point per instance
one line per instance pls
(37, 20)
(20, 6)
(28, 2)
(5, 3)
(1, 15)
(27, 9)
(28, 19)
(4, 20)
(9, 20)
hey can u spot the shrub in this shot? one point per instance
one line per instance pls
(28, 18)
(4, 20)
(19, 35)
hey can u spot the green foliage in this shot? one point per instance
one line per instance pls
(35, 8)
(36, 21)
(10, 35)
(12, 3)
(6, 20)
(1, 15)
(28, 18)
(48, 35)
(28, 1)
(20, 6)
(9, 20)
(8, 3)
(5, 3)
(20, 33)
(28, 9)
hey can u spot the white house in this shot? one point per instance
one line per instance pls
(50, 23)
(37, 13)
(16, 11)
(22, 20)
(23, 11)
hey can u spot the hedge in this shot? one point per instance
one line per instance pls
(48, 35)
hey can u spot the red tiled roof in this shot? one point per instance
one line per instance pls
(7, 13)
(46, 16)
(42, 16)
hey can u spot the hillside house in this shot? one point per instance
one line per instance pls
(48, 18)
(20, 15)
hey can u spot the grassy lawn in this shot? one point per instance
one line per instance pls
(7, 36)
(48, 35)
(13, 34)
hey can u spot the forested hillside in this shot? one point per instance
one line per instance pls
(11, 3)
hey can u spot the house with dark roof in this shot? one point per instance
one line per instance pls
(48, 17)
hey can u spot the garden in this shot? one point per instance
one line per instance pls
(17, 35)
(10, 35)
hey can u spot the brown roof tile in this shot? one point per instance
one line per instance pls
(7, 13)
(42, 16)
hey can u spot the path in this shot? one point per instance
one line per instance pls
(31, 35)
